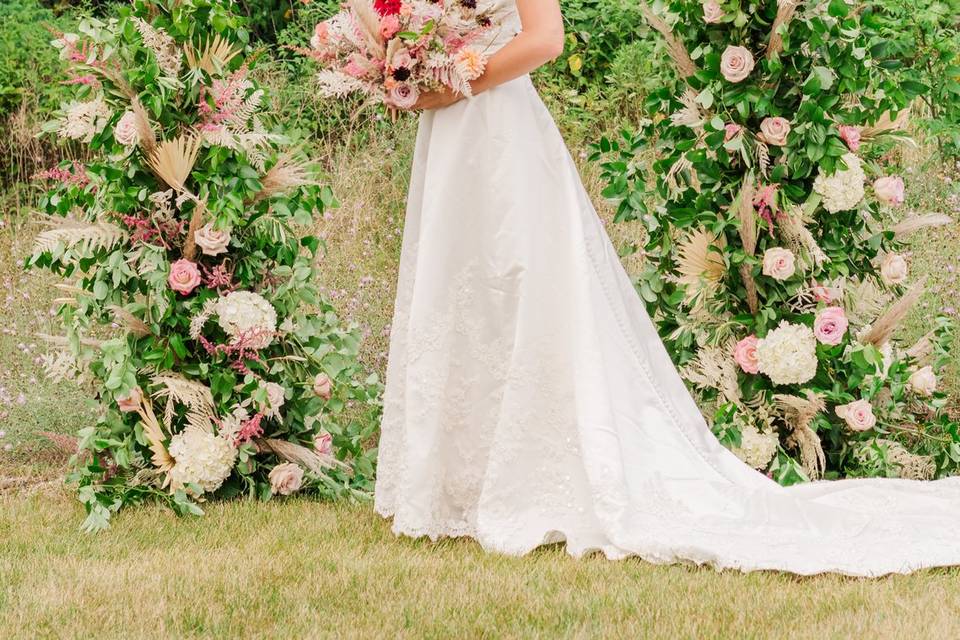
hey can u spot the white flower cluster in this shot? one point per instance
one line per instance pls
(757, 448)
(247, 313)
(788, 355)
(83, 120)
(844, 189)
(202, 458)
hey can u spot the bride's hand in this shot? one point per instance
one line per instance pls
(437, 99)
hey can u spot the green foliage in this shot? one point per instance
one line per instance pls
(208, 264)
(727, 194)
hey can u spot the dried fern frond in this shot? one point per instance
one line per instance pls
(84, 237)
(882, 329)
(286, 175)
(910, 466)
(798, 237)
(864, 300)
(173, 160)
(148, 139)
(798, 413)
(712, 367)
(700, 266)
(785, 12)
(675, 49)
(212, 56)
(297, 454)
(763, 158)
(134, 325)
(690, 115)
(196, 397)
(914, 223)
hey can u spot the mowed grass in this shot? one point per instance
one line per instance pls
(298, 568)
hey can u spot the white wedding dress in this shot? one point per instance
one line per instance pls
(529, 399)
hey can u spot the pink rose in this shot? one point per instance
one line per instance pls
(354, 69)
(893, 269)
(889, 190)
(923, 381)
(286, 478)
(858, 415)
(323, 443)
(130, 402)
(389, 26)
(775, 131)
(732, 131)
(323, 386)
(830, 325)
(126, 132)
(851, 136)
(712, 13)
(401, 58)
(745, 354)
(779, 263)
(403, 95)
(736, 63)
(184, 276)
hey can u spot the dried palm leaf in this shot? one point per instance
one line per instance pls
(677, 52)
(914, 223)
(798, 413)
(173, 160)
(161, 458)
(785, 12)
(287, 174)
(886, 124)
(212, 56)
(135, 325)
(882, 329)
(196, 397)
(297, 454)
(700, 265)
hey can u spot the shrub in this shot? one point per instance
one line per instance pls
(771, 268)
(230, 375)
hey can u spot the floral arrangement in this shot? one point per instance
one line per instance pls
(188, 293)
(772, 248)
(391, 51)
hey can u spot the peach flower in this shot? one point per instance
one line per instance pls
(211, 241)
(889, 190)
(286, 478)
(745, 354)
(775, 131)
(323, 443)
(130, 402)
(323, 386)
(851, 136)
(736, 63)
(893, 269)
(184, 276)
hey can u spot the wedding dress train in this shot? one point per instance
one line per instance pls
(530, 400)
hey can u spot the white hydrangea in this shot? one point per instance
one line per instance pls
(757, 448)
(788, 355)
(844, 189)
(202, 458)
(83, 120)
(243, 312)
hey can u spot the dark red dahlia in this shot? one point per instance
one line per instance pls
(387, 7)
(401, 73)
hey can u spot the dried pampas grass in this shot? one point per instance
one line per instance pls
(916, 222)
(297, 454)
(798, 413)
(882, 329)
(134, 325)
(678, 53)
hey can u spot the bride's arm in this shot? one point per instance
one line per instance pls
(539, 42)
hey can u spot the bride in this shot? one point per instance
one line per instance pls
(529, 399)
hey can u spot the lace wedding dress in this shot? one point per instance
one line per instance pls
(529, 399)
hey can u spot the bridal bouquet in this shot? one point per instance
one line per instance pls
(393, 50)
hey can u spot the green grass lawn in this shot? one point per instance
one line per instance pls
(298, 568)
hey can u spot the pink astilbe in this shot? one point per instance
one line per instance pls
(227, 95)
(765, 201)
(87, 80)
(145, 230)
(241, 348)
(249, 429)
(219, 277)
(74, 176)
